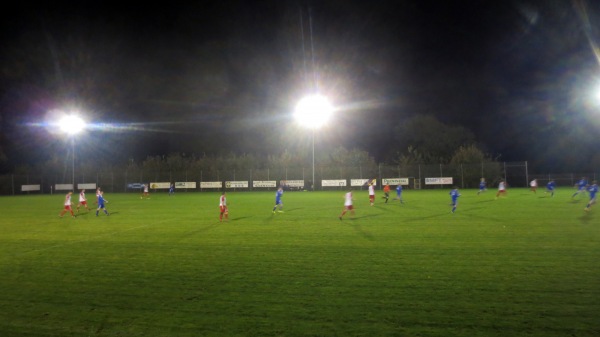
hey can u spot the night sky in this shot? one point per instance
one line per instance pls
(224, 77)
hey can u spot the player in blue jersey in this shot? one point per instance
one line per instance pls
(171, 189)
(592, 189)
(550, 186)
(278, 202)
(454, 196)
(399, 194)
(581, 187)
(482, 186)
(101, 201)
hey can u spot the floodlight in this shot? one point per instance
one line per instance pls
(313, 111)
(71, 124)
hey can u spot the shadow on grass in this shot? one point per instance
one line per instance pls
(483, 201)
(363, 217)
(100, 213)
(413, 219)
(586, 218)
(202, 229)
(358, 229)
(240, 218)
(384, 208)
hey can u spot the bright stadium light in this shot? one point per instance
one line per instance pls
(596, 94)
(313, 112)
(72, 125)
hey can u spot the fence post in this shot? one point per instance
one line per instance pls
(526, 174)
(572, 180)
(482, 176)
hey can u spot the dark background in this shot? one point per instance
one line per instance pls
(224, 77)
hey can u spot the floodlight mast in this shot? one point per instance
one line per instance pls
(313, 112)
(72, 125)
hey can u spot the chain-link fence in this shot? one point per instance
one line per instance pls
(130, 179)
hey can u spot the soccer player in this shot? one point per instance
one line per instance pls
(454, 197)
(592, 189)
(501, 189)
(278, 202)
(82, 201)
(482, 186)
(581, 187)
(145, 194)
(67, 205)
(371, 194)
(386, 192)
(347, 204)
(550, 186)
(533, 185)
(399, 193)
(224, 211)
(101, 201)
(171, 189)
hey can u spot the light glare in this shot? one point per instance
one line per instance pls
(313, 111)
(72, 124)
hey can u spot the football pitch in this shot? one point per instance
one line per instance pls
(523, 265)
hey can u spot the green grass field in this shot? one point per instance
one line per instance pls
(524, 265)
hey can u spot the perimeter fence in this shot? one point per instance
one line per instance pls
(413, 176)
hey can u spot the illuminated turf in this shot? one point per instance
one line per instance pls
(522, 265)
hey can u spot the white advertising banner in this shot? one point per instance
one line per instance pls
(332, 183)
(160, 185)
(265, 183)
(211, 184)
(394, 181)
(292, 183)
(88, 186)
(362, 182)
(27, 188)
(438, 181)
(185, 184)
(63, 187)
(236, 184)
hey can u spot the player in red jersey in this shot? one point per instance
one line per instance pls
(82, 201)
(347, 204)
(223, 208)
(67, 205)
